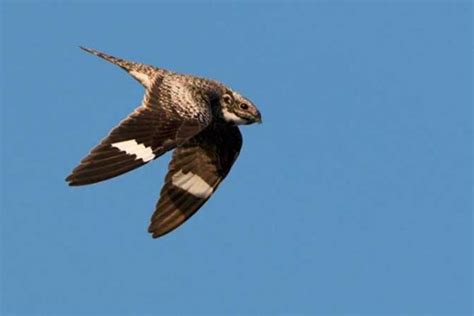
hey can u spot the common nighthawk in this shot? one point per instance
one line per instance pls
(196, 117)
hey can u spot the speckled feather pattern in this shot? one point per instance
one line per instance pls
(178, 112)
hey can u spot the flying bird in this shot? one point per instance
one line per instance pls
(195, 117)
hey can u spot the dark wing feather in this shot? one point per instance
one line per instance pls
(150, 131)
(195, 171)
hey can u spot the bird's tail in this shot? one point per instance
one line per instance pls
(145, 74)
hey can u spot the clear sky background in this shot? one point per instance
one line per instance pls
(353, 197)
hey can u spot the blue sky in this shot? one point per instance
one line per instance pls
(353, 197)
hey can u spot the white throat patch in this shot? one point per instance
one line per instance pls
(192, 183)
(131, 147)
(231, 117)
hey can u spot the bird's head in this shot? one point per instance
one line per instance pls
(238, 110)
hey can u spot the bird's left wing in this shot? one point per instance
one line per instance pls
(195, 171)
(169, 115)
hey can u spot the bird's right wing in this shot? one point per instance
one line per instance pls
(195, 172)
(170, 114)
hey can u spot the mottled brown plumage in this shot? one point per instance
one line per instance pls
(196, 117)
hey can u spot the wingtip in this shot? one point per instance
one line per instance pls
(156, 232)
(73, 182)
(153, 232)
(70, 181)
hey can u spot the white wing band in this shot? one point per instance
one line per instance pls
(131, 147)
(192, 184)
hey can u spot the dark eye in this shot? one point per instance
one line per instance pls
(244, 106)
(227, 99)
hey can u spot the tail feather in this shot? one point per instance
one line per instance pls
(145, 74)
(126, 65)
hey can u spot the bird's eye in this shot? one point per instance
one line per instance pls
(244, 106)
(227, 98)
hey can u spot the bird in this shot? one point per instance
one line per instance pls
(196, 118)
